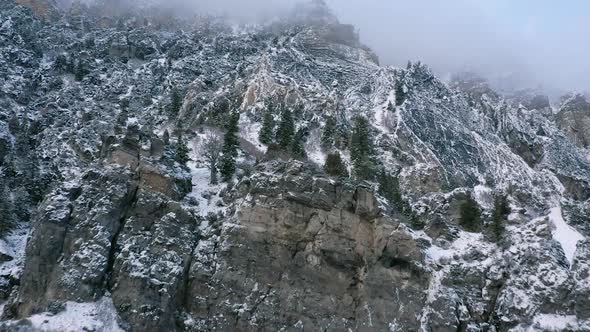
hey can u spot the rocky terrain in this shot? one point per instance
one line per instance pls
(104, 227)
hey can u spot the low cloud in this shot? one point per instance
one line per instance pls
(514, 43)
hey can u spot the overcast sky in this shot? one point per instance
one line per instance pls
(536, 41)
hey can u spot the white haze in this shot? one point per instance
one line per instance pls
(449, 36)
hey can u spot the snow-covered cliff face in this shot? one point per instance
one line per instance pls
(123, 237)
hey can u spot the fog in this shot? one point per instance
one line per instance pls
(515, 44)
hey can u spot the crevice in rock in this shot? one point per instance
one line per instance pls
(356, 290)
(260, 300)
(302, 244)
(107, 277)
(186, 272)
(66, 229)
(461, 325)
(185, 288)
(490, 312)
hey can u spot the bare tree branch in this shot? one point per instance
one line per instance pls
(211, 147)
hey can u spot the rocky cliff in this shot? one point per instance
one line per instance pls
(104, 229)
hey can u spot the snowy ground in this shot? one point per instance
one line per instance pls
(207, 195)
(99, 316)
(203, 192)
(13, 245)
(554, 323)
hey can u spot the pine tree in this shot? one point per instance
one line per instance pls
(334, 165)
(8, 166)
(342, 137)
(470, 215)
(328, 134)
(166, 137)
(361, 149)
(266, 132)
(499, 216)
(298, 145)
(361, 140)
(71, 66)
(38, 182)
(14, 124)
(61, 62)
(175, 102)
(286, 130)
(400, 95)
(230, 148)
(6, 210)
(389, 188)
(79, 71)
(181, 152)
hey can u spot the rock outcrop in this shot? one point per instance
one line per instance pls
(302, 251)
(574, 119)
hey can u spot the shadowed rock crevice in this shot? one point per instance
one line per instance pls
(114, 248)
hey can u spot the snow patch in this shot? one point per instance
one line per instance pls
(465, 241)
(132, 121)
(100, 316)
(551, 323)
(483, 196)
(13, 245)
(563, 233)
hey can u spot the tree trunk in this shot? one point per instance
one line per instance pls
(213, 169)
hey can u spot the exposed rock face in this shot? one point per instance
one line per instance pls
(70, 248)
(115, 230)
(574, 119)
(302, 251)
(299, 251)
(581, 293)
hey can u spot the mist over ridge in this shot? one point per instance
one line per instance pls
(512, 45)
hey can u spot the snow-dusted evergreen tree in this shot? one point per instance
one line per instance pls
(230, 147)
(334, 165)
(286, 130)
(181, 151)
(328, 134)
(61, 62)
(298, 145)
(6, 210)
(389, 187)
(166, 137)
(470, 215)
(362, 152)
(175, 101)
(266, 134)
(499, 216)
(8, 167)
(400, 95)
(79, 71)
